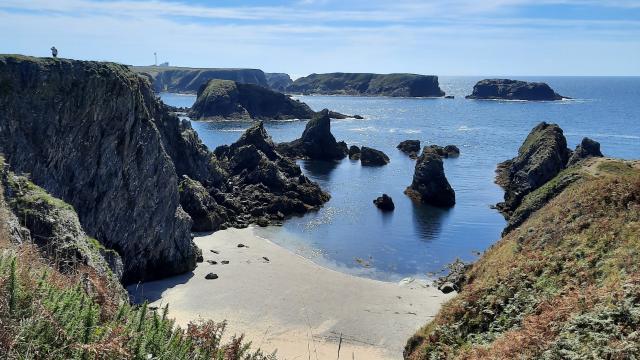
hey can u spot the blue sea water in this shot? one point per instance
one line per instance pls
(350, 234)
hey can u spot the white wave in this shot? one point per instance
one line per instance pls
(465, 128)
(364, 129)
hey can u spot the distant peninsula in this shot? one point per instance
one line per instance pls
(367, 84)
(507, 89)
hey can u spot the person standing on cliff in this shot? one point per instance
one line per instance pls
(54, 51)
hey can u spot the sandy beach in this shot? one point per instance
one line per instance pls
(283, 301)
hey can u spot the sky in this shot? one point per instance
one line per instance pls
(441, 37)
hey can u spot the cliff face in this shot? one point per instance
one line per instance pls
(278, 81)
(189, 80)
(363, 84)
(225, 99)
(94, 135)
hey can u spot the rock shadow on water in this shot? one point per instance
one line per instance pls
(152, 291)
(319, 170)
(428, 220)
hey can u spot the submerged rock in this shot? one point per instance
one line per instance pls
(372, 157)
(410, 147)
(430, 184)
(541, 157)
(384, 203)
(586, 149)
(506, 89)
(317, 142)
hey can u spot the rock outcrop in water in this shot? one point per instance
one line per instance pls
(317, 142)
(384, 203)
(189, 80)
(372, 157)
(410, 147)
(363, 84)
(354, 152)
(225, 99)
(506, 89)
(447, 151)
(278, 81)
(430, 184)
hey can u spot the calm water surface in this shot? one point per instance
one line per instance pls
(350, 234)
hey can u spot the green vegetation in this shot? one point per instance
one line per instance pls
(565, 284)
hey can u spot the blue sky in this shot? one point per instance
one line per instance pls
(443, 37)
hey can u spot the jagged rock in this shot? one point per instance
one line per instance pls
(354, 152)
(586, 149)
(94, 135)
(384, 203)
(225, 99)
(506, 89)
(540, 158)
(205, 212)
(430, 184)
(363, 84)
(316, 143)
(410, 147)
(372, 157)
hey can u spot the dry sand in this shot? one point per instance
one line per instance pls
(293, 305)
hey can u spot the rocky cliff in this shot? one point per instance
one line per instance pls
(506, 89)
(189, 80)
(91, 134)
(363, 84)
(562, 285)
(225, 99)
(278, 81)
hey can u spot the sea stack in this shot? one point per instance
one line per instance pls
(317, 142)
(430, 185)
(506, 89)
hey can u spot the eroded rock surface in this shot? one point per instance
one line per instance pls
(316, 142)
(430, 185)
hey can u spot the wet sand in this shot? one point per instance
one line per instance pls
(293, 305)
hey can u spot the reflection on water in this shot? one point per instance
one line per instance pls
(415, 238)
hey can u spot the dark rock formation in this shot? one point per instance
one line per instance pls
(189, 80)
(362, 84)
(410, 147)
(540, 158)
(447, 151)
(372, 157)
(211, 276)
(384, 203)
(261, 185)
(429, 184)
(586, 149)
(206, 214)
(225, 99)
(94, 135)
(317, 142)
(278, 81)
(354, 152)
(53, 226)
(505, 89)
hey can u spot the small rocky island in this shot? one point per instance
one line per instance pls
(506, 89)
(226, 99)
(430, 185)
(366, 84)
(317, 142)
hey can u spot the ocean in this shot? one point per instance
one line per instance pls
(350, 234)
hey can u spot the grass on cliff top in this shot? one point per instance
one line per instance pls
(563, 285)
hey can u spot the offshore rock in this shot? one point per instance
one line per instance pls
(506, 89)
(410, 147)
(367, 84)
(384, 203)
(447, 151)
(372, 157)
(354, 152)
(317, 142)
(430, 185)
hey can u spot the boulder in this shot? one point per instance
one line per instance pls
(541, 157)
(211, 276)
(410, 147)
(430, 186)
(586, 149)
(447, 151)
(372, 157)
(316, 143)
(354, 152)
(384, 203)
(506, 89)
